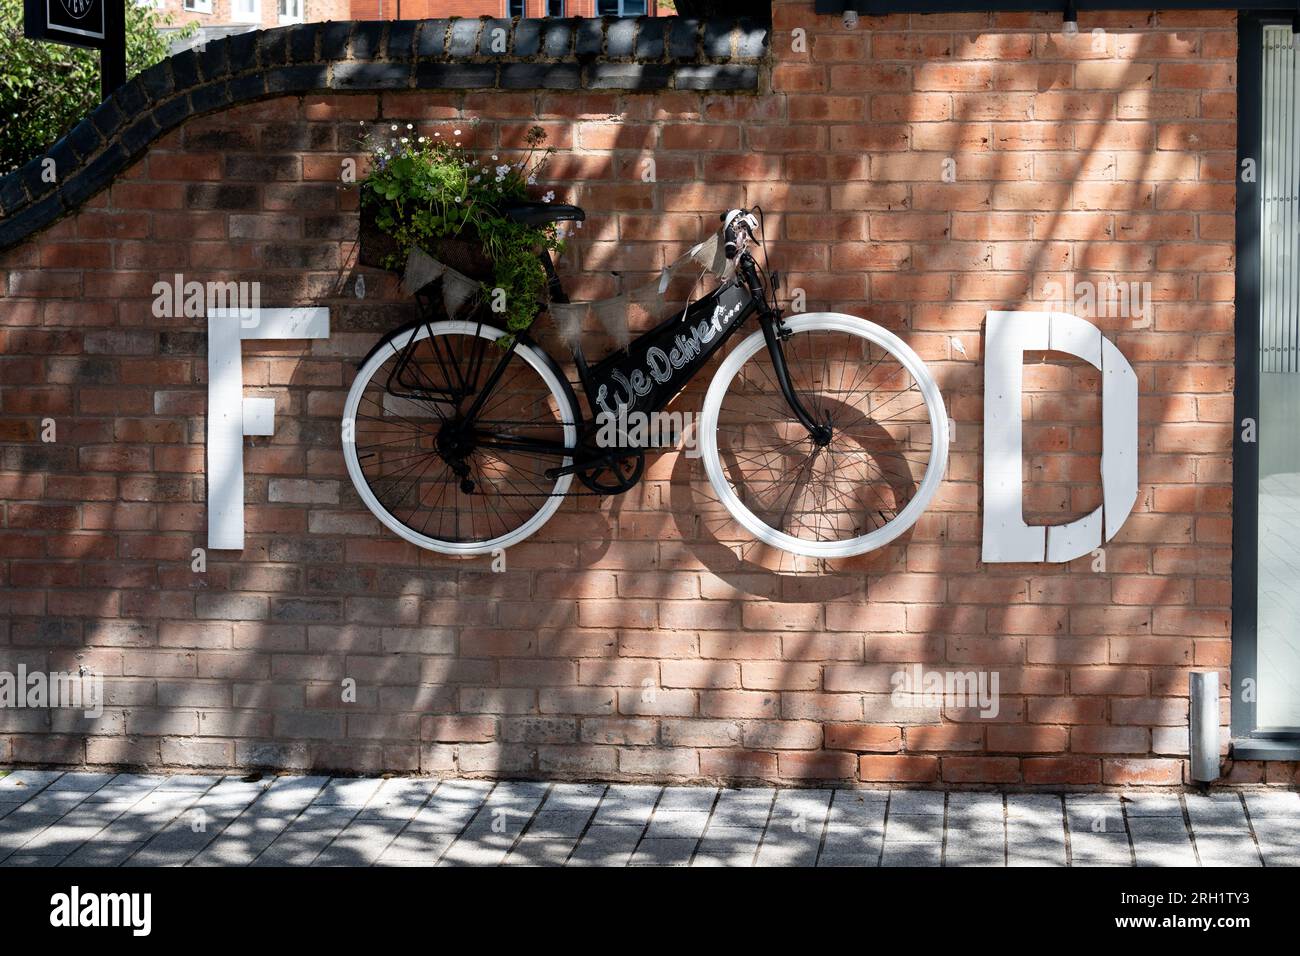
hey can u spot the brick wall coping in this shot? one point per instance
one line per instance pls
(641, 54)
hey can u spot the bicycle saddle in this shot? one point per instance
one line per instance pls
(528, 213)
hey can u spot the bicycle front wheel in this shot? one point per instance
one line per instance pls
(852, 492)
(438, 477)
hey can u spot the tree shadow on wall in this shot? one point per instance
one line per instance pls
(460, 670)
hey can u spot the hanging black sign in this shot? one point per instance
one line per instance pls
(98, 24)
(74, 22)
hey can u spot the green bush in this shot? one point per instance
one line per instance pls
(46, 88)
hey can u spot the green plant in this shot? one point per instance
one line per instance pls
(46, 88)
(424, 188)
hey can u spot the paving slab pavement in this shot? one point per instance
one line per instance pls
(51, 818)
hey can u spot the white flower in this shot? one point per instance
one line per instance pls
(409, 126)
(495, 157)
(394, 127)
(549, 196)
(532, 180)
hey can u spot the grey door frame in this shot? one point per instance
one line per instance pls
(1249, 740)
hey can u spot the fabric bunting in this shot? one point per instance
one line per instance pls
(615, 315)
(457, 288)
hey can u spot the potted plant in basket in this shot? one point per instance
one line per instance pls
(431, 193)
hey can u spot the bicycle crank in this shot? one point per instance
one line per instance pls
(610, 473)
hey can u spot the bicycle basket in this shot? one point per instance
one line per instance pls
(378, 249)
(463, 254)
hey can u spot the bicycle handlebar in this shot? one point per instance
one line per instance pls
(733, 222)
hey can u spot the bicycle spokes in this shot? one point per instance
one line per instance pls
(831, 485)
(455, 458)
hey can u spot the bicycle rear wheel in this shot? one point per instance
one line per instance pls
(432, 478)
(885, 457)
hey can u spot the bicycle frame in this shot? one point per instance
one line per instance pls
(651, 371)
(654, 368)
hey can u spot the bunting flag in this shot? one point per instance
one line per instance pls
(457, 288)
(615, 315)
(421, 269)
(569, 319)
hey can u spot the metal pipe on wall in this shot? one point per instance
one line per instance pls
(1204, 725)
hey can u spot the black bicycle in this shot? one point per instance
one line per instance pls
(829, 443)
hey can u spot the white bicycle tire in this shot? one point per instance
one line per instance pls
(935, 467)
(372, 503)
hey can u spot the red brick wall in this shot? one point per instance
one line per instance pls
(624, 641)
